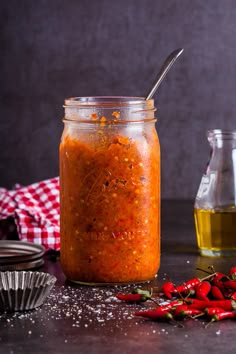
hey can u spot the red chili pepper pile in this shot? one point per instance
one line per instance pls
(213, 297)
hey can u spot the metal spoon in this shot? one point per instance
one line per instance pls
(164, 70)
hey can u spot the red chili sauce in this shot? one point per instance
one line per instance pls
(110, 206)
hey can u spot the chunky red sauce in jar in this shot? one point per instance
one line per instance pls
(110, 191)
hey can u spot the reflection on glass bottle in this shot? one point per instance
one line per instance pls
(215, 203)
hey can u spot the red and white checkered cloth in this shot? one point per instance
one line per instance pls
(35, 209)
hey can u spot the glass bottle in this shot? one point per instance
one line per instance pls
(215, 203)
(110, 190)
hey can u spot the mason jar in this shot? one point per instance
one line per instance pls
(109, 190)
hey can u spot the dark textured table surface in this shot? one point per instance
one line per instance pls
(80, 319)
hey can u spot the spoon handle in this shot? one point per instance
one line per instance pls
(164, 70)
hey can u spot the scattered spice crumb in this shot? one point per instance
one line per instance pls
(116, 114)
(94, 116)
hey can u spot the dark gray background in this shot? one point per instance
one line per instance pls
(52, 49)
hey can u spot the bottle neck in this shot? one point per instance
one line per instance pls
(221, 139)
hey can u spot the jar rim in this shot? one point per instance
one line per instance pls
(106, 101)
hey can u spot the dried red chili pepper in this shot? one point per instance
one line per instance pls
(227, 305)
(232, 273)
(171, 305)
(137, 295)
(156, 314)
(188, 285)
(133, 297)
(202, 290)
(230, 284)
(210, 311)
(219, 275)
(217, 279)
(219, 286)
(184, 311)
(223, 315)
(216, 293)
(191, 284)
(168, 289)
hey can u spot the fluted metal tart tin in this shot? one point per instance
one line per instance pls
(24, 290)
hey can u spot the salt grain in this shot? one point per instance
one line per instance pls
(65, 297)
(81, 308)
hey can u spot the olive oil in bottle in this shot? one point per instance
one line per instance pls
(216, 231)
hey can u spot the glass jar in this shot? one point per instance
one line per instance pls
(110, 190)
(215, 203)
